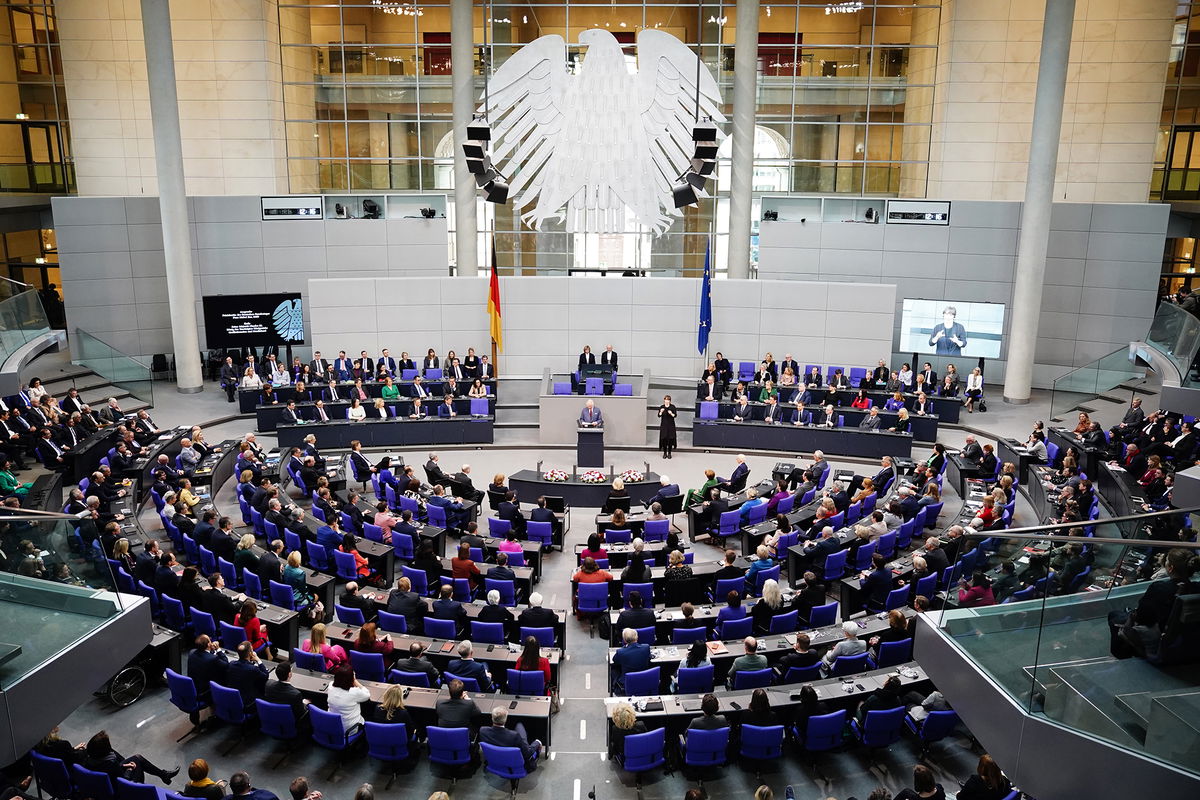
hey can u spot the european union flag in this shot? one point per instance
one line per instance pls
(705, 303)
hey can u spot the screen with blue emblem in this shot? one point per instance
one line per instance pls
(253, 320)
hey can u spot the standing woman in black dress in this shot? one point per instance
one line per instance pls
(666, 426)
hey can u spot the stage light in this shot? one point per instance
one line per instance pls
(684, 194)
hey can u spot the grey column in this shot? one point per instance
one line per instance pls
(172, 197)
(1039, 193)
(462, 68)
(745, 99)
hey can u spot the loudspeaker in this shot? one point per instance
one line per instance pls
(684, 194)
(496, 191)
(479, 130)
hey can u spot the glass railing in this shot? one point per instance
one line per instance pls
(1176, 334)
(37, 178)
(56, 588)
(22, 318)
(1084, 383)
(1063, 643)
(111, 364)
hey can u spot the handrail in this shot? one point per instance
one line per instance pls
(124, 355)
(17, 282)
(1024, 533)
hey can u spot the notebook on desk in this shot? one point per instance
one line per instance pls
(717, 648)
(688, 705)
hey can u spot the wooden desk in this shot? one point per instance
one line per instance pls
(380, 598)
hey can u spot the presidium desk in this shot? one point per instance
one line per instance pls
(801, 439)
(393, 432)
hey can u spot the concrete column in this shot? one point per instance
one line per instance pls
(172, 196)
(741, 181)
(1039, 192)
(462, 67)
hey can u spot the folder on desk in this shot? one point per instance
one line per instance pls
(690, 705)
(717, 648)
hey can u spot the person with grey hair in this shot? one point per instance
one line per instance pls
(500, 735)
(850, 645)
(465, 666)
(189, 457)
(634, 656)
(494, 612)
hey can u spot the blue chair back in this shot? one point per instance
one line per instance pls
(848, 665)
(644, 683)
(592, 597)
(293, 543)
(344, 565)
(688, 635)
(282, 596)
(645, 751)
(276, 720)
(417, 577)
(708, 409)
(409, 678)
(173, 614)
(594, 386)
(785, 623)
(762, 743)
(823, 616)
(540, 532)
(506, 588)
(752, 678)
(932, 512)
(183, 693)
(526, 682)
(499, 528)
(403, 544)
(897, 598)
(505, 762)
(208, 562)
(882, 728)
(92, 785)
(449, 746)
(231, 635)
(905, 533)
(470, 684)
(307, 660)
(854, 513)
(368, 666)
(440, 628)
(203, 622)
(694, 680)
(824, 732)
(729, 523)
(645, 589)
(803, 674)
(892, 654)
(349, 616)
(885, 545)
(647, 635)
(935, 727)
(764, 575)
(706, 748)
(373, 532)
(52, 776)
(727, 585)
(786, 505)
(227, 704)
(387, 742)
(835, 565)
(862, 558)
(544, 636)
(736, 628)
(618, 536)
(927, 586)
(252, 584)
(393, 623)
(318, 556)
(327, 730)
(487, 632)
(437, 515)
(757, 514)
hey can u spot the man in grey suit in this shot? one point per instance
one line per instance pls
(591, 417)
(871, 422)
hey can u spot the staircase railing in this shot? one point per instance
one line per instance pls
(119, 369)
(1176, 334)
(1090, 380)
(22, 317)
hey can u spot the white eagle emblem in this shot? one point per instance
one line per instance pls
(603, 139)
(289, 321)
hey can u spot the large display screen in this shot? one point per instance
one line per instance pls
(952, 328)
(253, 320)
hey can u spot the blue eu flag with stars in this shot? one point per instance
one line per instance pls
(705, 303)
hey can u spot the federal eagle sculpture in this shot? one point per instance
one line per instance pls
(583, 148)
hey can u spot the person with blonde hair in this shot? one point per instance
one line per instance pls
(317, 643)
(625, 723)
(391, 710)
(244, 557)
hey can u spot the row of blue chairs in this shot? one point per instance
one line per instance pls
(392, 744)
(705, 750)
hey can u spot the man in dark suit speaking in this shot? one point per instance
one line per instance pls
(591, 417)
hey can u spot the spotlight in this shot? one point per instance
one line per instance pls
(486, 176)
(704, 131)
(479, 130)
(684, 194)
(704, 166)
(473, 149)
(695, 179)
(476, 166)
(705, 151)
(497, 191)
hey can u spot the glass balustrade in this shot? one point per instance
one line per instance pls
(1053, 653)
(111, 364)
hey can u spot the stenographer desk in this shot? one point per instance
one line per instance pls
(853, 442)
(393, 432)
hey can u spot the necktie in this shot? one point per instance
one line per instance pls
(323, 417)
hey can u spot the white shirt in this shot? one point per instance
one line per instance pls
(356, 413)
(346, 703)
(974, 382)
(252, 381)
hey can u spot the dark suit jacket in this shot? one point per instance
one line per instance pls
(249, 679)
(537, 617)
(505, 737)
(204, 667)
(471, 669)
(285, 694)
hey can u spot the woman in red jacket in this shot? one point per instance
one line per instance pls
(368, 642)
(532, 660)
(256, 632)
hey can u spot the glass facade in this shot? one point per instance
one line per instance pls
(34, 143)
(367, 96)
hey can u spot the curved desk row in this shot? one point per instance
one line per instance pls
(529, 485)
(394, 432)
(948, 408)
(847, 441)
(249, 399)
(270, 417)
(924, 428)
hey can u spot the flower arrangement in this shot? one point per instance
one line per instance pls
(632, 476)
(555, 475)
(593, 476)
